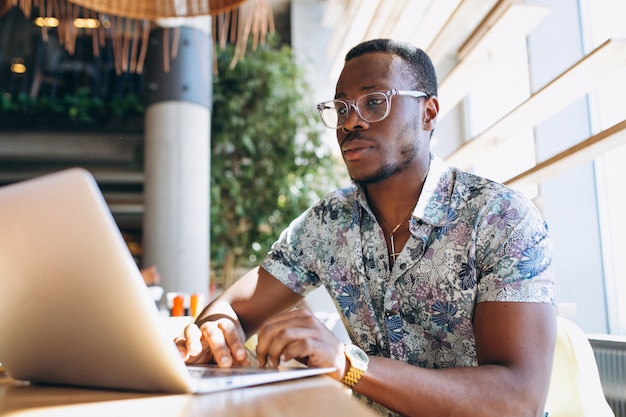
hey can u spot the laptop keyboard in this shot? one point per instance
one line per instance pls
(205, 371)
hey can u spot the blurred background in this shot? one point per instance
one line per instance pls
(531, 95)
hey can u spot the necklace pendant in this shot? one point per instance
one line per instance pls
(393, 253)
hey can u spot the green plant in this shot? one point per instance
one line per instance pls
(77, 111)
(268, 160)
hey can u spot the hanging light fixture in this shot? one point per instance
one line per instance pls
(157, 9)
(127, 23)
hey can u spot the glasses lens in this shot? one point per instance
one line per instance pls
(373, 107)
(334, 113)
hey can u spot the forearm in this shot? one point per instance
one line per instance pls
(487, 390)
(251, 300)
(222, 306)
(218, 308)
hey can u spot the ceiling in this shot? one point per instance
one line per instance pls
(328, 28)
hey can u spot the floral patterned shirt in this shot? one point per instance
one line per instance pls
(472, 240)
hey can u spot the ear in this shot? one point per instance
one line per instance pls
(431, 110)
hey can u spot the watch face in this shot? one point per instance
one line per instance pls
(357, 357)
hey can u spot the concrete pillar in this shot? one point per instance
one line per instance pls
(177, 158)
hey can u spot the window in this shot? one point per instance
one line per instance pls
(559, 94)
(604, 19)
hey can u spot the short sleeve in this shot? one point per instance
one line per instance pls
(514, 254)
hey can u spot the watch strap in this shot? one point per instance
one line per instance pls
(352, 376)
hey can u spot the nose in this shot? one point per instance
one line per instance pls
(353, 120)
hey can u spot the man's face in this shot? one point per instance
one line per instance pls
(376, 151)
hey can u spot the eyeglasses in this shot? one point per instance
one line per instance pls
(371, 107)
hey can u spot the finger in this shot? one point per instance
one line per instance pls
(276, 335)
(268, 337)
(233, 339)
(224, 340)
(214, 338)
(193, 340)
(294, 343)
(298, 335)
(181, 345)
(291, 319)
(315, 353)
(192, 347)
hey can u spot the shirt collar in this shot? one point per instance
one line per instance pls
(432, 205)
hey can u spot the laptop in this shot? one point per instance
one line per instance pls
(74, 309)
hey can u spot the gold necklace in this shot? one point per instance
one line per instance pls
(394, 255)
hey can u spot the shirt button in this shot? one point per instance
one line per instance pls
(381, 256)
(403, 266)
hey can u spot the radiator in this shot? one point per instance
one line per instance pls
(611, 359)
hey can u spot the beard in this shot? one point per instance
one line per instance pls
(408, 153)
(390, 169)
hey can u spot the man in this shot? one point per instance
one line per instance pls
(442, 278)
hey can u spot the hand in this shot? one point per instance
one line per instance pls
(218, 339)
(299, 335)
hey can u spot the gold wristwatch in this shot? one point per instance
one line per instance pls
(357, 362)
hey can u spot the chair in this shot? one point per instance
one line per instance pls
(575, 388)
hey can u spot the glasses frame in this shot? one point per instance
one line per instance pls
(353, 104)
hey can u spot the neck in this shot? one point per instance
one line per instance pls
(394, 199)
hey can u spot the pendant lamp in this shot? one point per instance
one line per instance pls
(127, 23)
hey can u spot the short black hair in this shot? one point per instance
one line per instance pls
(422, 68)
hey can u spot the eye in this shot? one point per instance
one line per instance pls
(342, 108)
(373, 102)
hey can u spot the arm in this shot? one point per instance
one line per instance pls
(514, 343)
(515, 346)
(220, 330)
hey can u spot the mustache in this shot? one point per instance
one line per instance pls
(352, 135)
